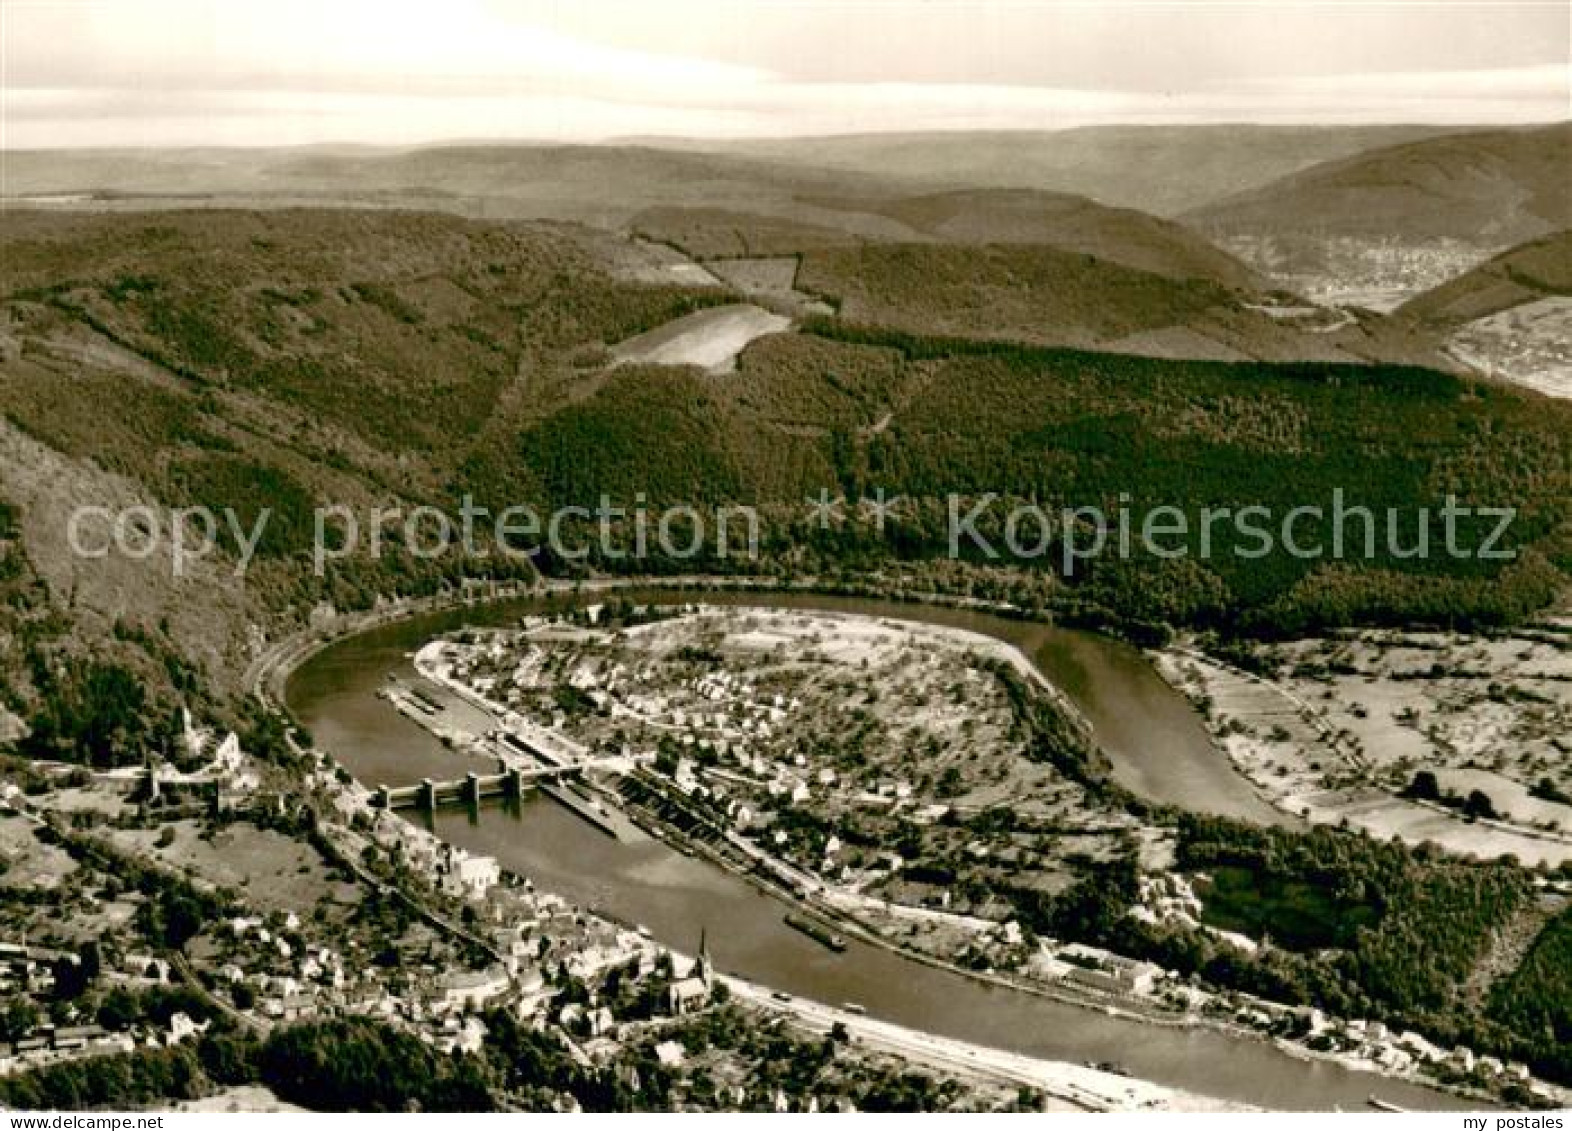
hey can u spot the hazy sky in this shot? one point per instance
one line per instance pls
(173, 72)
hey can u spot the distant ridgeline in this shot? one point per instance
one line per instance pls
(294, 359)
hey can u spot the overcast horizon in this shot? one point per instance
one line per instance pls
(140, 73)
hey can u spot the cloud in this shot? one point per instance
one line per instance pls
(180, 72)
(392, 46)
(1546, 84)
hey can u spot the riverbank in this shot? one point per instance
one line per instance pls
(855, 913)
(1076, 1086)
(585, 872)
(1310, 768)
(1081, 1087)
(274, 663)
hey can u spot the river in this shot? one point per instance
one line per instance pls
(1156, 742)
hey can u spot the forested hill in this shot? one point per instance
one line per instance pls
(1536, 270)
(1488, 187)
(295, 358)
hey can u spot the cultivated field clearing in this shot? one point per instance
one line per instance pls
(772, 279)
(1348, 723)
(276, 872)
(250, 1098)
(28, 863)
(1411, 701)
(1530, 345)
(710, 339)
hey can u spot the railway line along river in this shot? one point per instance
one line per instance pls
(1155, 740)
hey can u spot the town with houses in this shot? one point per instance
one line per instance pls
(985, 557)
(387, 922)
(215, 889)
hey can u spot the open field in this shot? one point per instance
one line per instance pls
(28, 863)
(710, 339)
(275, 872)
(1345, 724)
(1529, 344)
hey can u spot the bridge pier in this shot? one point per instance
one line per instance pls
(510, 782)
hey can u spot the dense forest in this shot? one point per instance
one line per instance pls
(292, 360)
(1059, 429)
(1536, 1000)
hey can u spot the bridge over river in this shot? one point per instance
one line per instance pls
(522, 764)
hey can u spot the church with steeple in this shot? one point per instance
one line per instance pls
(692, 993)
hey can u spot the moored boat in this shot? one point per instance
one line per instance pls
(819, 934)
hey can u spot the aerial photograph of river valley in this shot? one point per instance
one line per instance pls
(948, 556)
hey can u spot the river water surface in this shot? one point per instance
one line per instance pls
(1159, 749)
